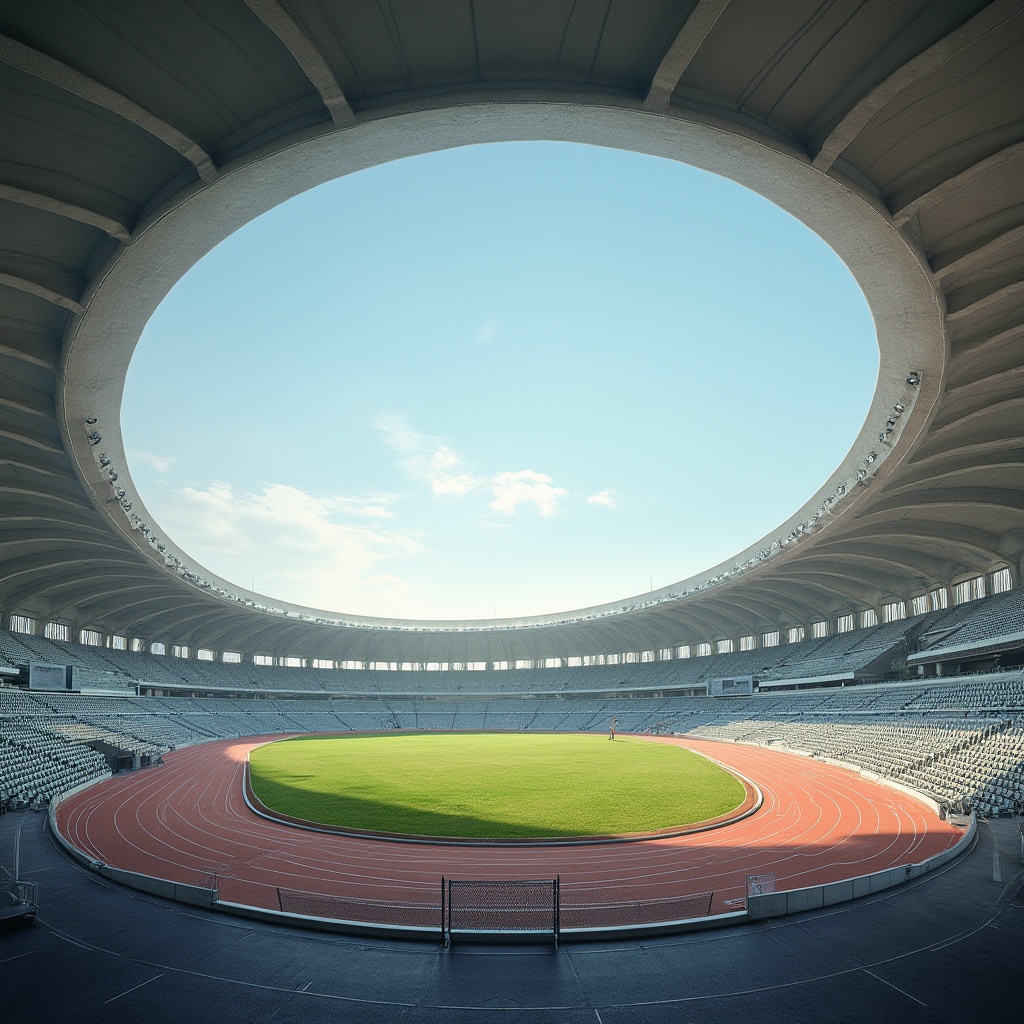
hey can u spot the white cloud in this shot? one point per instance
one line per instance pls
(161, 463)
(605, 498)
(373, 506)
(525, 487)
(398, 435)
(430, 459)
(486, 332)
(445, 475)
(426, 457)
(301, 547)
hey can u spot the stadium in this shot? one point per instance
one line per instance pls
(861, 666)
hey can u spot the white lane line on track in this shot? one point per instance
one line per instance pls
(896, 987)
(135, 988)
(17, 956)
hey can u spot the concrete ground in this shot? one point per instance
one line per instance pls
(949, 947)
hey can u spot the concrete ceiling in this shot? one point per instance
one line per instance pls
(136, 136)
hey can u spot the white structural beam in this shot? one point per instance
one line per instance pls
(307, 56)
(843, 134)
(44, 67)
(68, 211)
(31, 442)
(42, 292)
(980, 255)
(944, 189)
(10, 352)
(1009, 293)
(969, 354)
(684, 47)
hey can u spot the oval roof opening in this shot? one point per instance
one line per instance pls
(498, 380)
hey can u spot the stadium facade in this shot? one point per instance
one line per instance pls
(137, 138)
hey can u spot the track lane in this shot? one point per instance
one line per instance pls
(188, 819)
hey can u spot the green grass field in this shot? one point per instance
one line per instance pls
(491, 785)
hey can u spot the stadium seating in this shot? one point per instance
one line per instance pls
(959, 739)
(852, 655)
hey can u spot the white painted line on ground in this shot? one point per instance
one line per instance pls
(133, 989)
(17, 956)
(898, 989)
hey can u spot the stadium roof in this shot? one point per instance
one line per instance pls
(136, 137)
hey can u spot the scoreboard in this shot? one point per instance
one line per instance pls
(42, 676)
(733, 686)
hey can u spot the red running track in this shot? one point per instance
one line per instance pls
(187, 820)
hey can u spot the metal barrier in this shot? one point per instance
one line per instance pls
(634, 913)
(347, 908)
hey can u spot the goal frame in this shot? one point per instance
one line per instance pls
(498, 908)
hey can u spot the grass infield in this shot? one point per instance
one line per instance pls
(491, 785)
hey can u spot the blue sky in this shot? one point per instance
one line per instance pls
(499, 380)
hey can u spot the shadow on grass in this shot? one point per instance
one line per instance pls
(353, 812)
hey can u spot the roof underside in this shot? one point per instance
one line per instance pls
(108, 109)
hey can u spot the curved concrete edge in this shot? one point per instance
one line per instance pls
(260, 809)
(421, 933)
(906, 303)
(51, 820)
(330, 924)
(639, 931)
(194, 895)
(814, 897)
